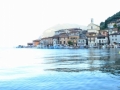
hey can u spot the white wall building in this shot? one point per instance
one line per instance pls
(114, 38)
(81, 42)
(102, 40)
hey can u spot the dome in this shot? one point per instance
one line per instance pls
(51, 31)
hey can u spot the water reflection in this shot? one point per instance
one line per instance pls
(104, 60)
(60, 69)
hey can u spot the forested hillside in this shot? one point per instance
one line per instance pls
(103, 25)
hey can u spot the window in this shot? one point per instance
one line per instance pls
(113, 39)
(99, 41)
(60, 42)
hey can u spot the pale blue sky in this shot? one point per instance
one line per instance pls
(22, 21)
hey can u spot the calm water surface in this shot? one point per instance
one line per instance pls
(59, 69)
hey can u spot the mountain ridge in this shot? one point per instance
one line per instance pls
(50, 31)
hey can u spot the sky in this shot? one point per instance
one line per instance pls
(22, 21)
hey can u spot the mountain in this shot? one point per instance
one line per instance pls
(51, 31)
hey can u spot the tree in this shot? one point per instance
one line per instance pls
(119, 28)
(70, 43)
(115, 26)
(102, 25)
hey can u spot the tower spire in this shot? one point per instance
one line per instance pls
(91, 20)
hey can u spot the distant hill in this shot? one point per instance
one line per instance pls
(50, 32)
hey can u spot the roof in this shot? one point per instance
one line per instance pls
(91, 33)
(90, 36)
(100, 36)
(29, 43)
(56, 36)
(74, 31)
(63, 35)
(37, 40)
(94, 24)
(62, 30)
(115, 33)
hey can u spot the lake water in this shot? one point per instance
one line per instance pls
(59, 69)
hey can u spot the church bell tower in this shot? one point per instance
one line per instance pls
(91, 20)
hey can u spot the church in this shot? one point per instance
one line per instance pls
(92, 32)
(93, 27)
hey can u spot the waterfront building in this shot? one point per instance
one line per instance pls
(74, 37)
(91, 37)
(43, 43)
(61, 31)
(55, 41)
(63, 39)
(104, 32)
(30, 45)
(82, 41)
(114, 38)
(101, 40)
(36, 42)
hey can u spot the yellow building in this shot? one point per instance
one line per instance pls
(74, 37)
(63, 38)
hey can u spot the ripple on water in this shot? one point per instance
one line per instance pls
(75, 69)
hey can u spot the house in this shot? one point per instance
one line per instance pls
(114, 38)
(63, 39)
(36, 42)
(111, 25)
(61, 31)
(101, 40)
(91, 37)
(43, 43)
(74, 36)
(55, 40)
(104, 32)
(29, 44)
(82, 41)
